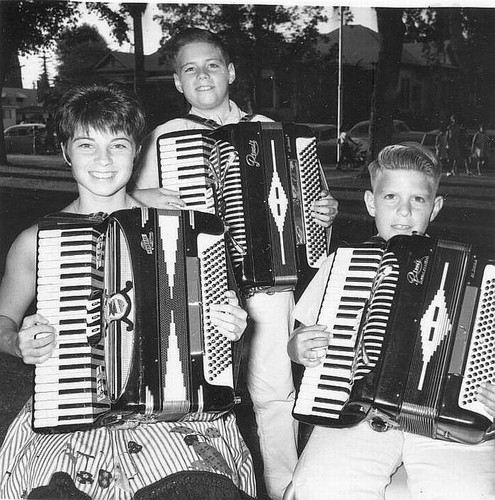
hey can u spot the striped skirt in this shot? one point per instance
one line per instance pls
(110, 463)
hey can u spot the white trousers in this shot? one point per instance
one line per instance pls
(270, 385)
(356, 464)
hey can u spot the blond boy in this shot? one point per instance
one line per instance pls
(357, 462)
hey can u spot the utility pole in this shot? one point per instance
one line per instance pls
(340, 87)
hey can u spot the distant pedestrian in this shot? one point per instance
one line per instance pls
(50, 147)
(480, 148)
(465, 145)
(441, 146)
(347, 149)
(454, 145)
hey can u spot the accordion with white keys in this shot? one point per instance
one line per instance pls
(413, 327)
(130, 297)
(261, 178)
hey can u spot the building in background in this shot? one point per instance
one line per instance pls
(20, 106)
(426, 93)
(161, 99)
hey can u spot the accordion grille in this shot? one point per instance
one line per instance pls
(480, 362)
(119, 304)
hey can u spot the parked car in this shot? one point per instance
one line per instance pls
(401, 132)
(326, 141)
(429, 138)
(27, 138)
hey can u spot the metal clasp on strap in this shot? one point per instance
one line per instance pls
(379, 422)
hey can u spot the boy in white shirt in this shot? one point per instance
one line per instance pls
(357, 462)
(203, 73)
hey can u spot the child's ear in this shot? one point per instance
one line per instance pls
(64, 154)
(231, 69)
(369, 200)
(437, 206)
(178, 85)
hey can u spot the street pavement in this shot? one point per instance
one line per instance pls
(31, 186)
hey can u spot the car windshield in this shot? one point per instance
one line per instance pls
(361, 130)
(401, 127)
(326, 135)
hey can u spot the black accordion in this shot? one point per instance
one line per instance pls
(261, 179)
(130, 297)
(413, 327)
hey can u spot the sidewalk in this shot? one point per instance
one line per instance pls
(50, 173)
(37, 172)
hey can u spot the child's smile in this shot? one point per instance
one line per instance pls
(101, 161)
(203, 76)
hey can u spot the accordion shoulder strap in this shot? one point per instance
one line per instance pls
(203, 121)
(248, 118)
(207, 122)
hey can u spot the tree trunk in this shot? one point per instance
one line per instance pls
(137, 10)
(5, 58)
(383, 103)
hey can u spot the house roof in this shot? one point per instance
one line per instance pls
(115, 60)
(360, 47)
(16, 95)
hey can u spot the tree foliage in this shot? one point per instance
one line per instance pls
(469, 36)
(25, 27)
(78, 50)
(259, 37)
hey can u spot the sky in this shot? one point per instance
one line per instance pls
(32, 66)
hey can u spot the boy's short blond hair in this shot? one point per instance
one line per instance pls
(195, 35)
(406, 156)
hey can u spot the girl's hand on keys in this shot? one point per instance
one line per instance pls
(37, 339)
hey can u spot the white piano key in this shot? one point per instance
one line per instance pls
(50, 377)
(46, 371)
(81, 415)
(51, 423)
(54, 398)
(93, 281)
